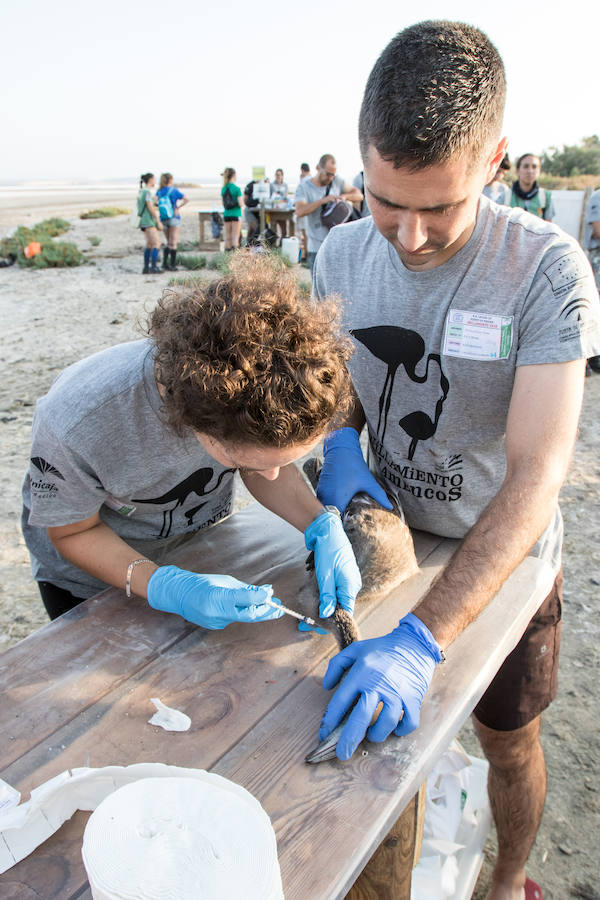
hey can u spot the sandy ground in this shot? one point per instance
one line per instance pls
(53, 317)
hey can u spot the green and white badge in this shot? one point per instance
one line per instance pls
(476, 335)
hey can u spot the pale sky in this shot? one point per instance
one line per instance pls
(118, 88)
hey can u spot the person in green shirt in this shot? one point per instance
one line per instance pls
(150, 224)
(526, 191)
(232, 214)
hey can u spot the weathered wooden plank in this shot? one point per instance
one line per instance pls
(343, 811)
(227, 681)
(72, 663)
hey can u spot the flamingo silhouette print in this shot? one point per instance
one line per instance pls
(397, 347)
(196, 483)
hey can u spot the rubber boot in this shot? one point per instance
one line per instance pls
(173, 266)
(166, 258)
(154, 269)
(146, 269)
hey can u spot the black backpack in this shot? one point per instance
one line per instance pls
(229, 201)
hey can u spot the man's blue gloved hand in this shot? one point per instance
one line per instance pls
(337, 573)
(212, 601)
(396, 668)
(345, 472)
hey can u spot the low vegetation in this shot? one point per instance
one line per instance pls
(104, 212)
(191, 261)
(52, 254)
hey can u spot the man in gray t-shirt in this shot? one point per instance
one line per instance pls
(312, 194)
(471, 323)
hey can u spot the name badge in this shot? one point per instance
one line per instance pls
(124, 509)
(476, 335)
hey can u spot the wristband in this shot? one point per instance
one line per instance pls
(130, 569)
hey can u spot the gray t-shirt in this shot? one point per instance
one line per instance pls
(592, 214)
(436, 351)
(498, 192)
(100, 443)
(308, 192)
(359, 182)
(280, 190)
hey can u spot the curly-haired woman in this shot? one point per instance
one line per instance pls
(135, 447)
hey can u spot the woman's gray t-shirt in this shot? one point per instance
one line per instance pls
(100, 443)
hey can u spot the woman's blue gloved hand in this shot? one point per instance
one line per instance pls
(337, 573)
(212, 601)
(396, 668)
(345, 472)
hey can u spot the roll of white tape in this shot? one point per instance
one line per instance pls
(181, 838)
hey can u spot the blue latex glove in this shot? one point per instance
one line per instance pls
(345, 472)
(337, 573)
(396, 668)
(212, 601)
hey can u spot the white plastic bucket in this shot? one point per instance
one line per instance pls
(290, 247)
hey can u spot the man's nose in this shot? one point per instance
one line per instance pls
(411, 232)
(270, 474)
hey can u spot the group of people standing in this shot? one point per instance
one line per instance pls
(159, 212)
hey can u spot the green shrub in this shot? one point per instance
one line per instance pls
(104, 212)
(220, 261)
(191, 262)
(52, 227)
(188, 281)
(94, 241)
(304, 289)
(55, 254)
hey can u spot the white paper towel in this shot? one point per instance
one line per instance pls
(181, 839)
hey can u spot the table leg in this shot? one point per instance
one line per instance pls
(388, 873)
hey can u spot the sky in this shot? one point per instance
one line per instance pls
(114, 89)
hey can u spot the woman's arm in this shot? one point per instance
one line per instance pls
(96, 549)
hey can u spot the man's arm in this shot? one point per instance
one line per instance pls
(540, 435)
(595, 229)
(305, 209)
(351, 193)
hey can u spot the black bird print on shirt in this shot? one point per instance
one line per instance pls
(397, 347)
(196, 483)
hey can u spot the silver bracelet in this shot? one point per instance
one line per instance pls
(130, 569)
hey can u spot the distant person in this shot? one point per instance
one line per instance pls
(301, 221)
(314, 193)
(232, 209)
(149, 223)
(170, 200)
(363, 207)
(526, 192)
(497, 190)
(279, 188)
(591, 242)
(251, 214)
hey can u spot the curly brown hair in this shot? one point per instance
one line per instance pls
(246, 359)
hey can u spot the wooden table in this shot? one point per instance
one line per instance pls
(78, 692)
(277, 214)
(206, 241)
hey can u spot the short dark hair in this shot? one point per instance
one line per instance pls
(248, 359)
(304, 167)
(437, 90)
(325, 159)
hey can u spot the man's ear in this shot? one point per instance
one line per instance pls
(496, 159)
